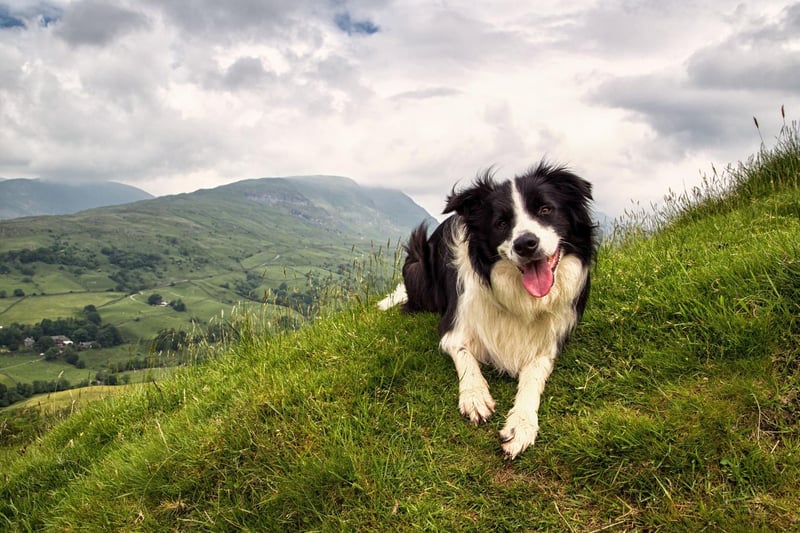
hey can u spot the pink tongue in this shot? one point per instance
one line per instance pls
(537, 278)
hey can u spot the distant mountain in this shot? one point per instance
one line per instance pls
(605, 224)
(31, 197)
(210, 248)
(332, 203)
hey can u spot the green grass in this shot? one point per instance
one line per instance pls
(50, 279)
(674, 407)
(53, 306)
(68, 400)
(29, 368)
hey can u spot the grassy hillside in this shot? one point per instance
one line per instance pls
(281, 242)
(210, 248)
(674, 407)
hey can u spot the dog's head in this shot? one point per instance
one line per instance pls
(531, 221)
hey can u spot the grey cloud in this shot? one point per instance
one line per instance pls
(95, 23)
(757, 58)
(333, 85)
(125, 147)
(262, 20)
(630, 28)
(443, 42)
(786, 28)
(730, 67)
(221, 20)
(246, 72)
(65, 134)
(710, 104)
(694, 116)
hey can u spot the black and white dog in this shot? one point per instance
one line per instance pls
(509, 273)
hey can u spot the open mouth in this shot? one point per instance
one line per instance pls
(538, 275)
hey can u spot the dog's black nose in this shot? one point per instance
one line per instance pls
(526, 245)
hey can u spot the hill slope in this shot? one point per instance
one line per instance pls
(27, 197)
(673, 408)
(210, 248)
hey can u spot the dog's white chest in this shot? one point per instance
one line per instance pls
(506, 327)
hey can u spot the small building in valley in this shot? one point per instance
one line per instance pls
(61, 340)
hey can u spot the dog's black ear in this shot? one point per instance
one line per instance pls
(584, 188)
(571, 183)
(467, 200)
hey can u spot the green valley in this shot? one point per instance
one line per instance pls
(278, 243)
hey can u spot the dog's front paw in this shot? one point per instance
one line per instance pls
(476, 404)
(518, 433)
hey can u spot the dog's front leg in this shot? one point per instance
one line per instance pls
(474, 399)
(522, 424)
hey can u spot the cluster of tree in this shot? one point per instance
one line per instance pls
(171, 340)
(292, 299)
(136, 363)
(87, 327)
(67, 353)
(133, 268)
(129, 281)
(113, 374)
(132, 260)
(247, 288)
(58, 253)
(21, 391)
(156, 299)
(301, 301)
(18, 293)
(109, 377)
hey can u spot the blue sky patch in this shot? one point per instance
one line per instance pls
(7, 20)
(365, 27)
(45, 13)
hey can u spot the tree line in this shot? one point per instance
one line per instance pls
(22, 391)
(87, 327)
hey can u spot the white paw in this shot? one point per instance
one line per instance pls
(386, 304)
(476, 404)
(518, 433)
(396, 297)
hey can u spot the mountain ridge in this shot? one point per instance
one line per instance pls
(22, 197)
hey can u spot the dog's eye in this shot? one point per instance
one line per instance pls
(545, 210)
(501, 224)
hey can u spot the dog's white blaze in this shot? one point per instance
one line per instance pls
(524, 223)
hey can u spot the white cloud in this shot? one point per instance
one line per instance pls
(172, 96)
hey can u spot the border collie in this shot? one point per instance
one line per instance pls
(509, 274)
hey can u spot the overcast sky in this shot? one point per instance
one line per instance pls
(171, 96)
